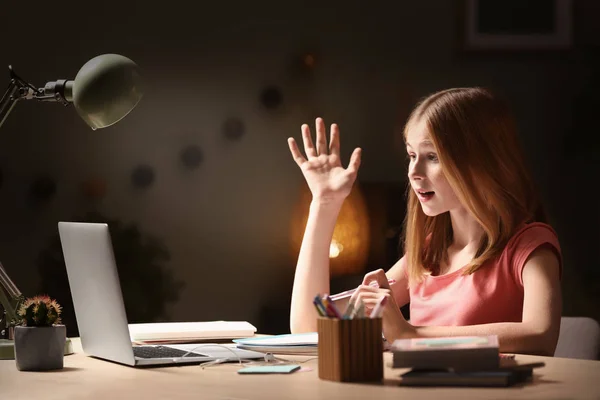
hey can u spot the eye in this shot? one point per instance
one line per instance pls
(411, 156)
(432, 157)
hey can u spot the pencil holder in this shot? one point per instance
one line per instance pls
(350, 350)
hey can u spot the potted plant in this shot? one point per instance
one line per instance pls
(39, 336)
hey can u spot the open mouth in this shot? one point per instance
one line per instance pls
(425, 195)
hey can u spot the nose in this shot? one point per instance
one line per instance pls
(416, 169)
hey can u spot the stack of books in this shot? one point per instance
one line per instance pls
(457, 361)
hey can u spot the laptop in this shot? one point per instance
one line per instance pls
(100, 310)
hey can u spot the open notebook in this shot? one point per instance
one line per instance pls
(190, 331)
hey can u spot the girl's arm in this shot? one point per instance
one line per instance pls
(312, 270)
(330, 183)
(542, 309)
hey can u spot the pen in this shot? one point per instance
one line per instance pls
(325, 303)
(330, 306)
(378, 310)
(319, 306)
(349, 310)
(348, 293)
(358, 311)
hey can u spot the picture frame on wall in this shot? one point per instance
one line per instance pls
(518, 25)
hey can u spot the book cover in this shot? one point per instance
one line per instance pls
(501, 378)
(446, 343)
(460, 352)
(509, 373)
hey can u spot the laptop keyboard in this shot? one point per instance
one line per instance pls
(162, 352)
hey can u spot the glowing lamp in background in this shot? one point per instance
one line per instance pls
(349, 248)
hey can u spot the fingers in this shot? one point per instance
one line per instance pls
(321, 144)
(355, 160)
(370, 277)
(298, 157)
(309, 147)
(321, 136)
(369, 299)
(365, 290)
(377, 278)
(334, 140)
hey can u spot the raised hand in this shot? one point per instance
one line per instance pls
(322, 168)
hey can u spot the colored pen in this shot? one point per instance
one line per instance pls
(349, 310)
(378, 310)
(359, 311)
(325, 304)
(319, 306)
(349, 293)
(330, 306)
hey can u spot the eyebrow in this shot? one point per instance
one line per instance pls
(424, 143)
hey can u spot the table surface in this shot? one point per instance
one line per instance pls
(86, 377)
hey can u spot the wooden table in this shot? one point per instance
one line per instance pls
(88, 378)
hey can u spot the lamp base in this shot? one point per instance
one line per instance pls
(7, 349)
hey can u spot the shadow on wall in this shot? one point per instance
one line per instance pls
(147, 284)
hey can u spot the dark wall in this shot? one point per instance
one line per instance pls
(225, 224)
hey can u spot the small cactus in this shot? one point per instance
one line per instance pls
(39, 311)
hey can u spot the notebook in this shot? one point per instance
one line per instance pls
(299, 343)
(100, 311)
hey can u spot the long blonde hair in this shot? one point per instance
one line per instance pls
(475, 137)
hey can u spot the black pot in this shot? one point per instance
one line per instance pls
(40, 348)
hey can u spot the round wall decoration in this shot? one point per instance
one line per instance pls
(271, 97)
(142, 176)
(191, 156)
(233, 128)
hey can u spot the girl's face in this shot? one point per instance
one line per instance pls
(425, 173)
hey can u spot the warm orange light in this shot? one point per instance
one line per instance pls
(335, 248)
(348, 251)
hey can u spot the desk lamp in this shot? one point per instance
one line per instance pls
(104, 91)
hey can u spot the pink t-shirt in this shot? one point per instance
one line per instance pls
(493, 293)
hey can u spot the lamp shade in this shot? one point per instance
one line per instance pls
(106, 89)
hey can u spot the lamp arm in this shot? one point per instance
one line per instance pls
(10, 296)
(18, 89)
(58, 91)
(13, 93)
(9, 310)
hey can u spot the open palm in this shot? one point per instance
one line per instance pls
(322, 168)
